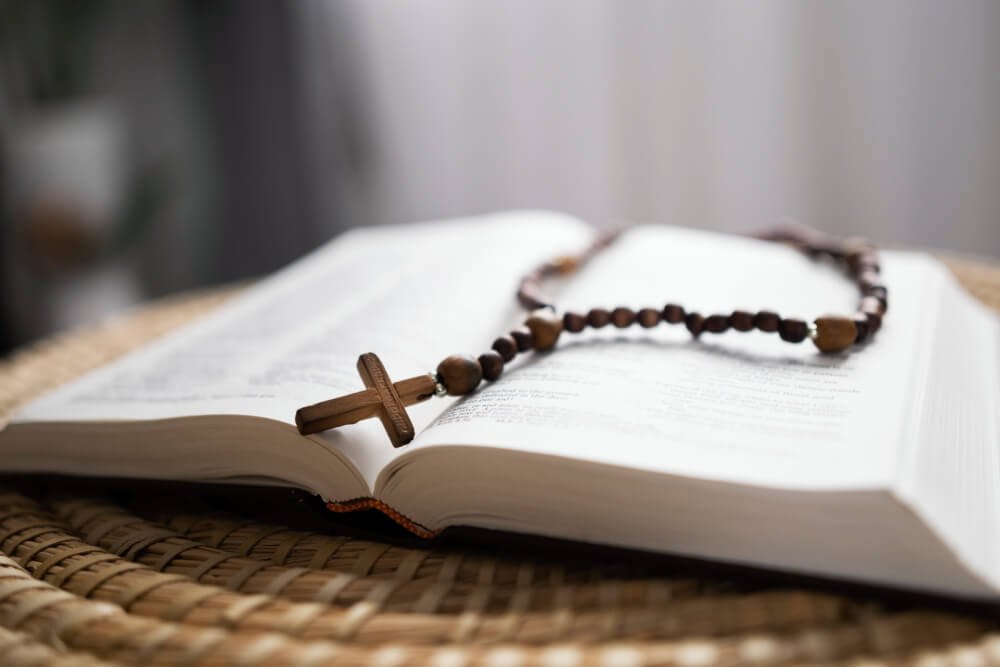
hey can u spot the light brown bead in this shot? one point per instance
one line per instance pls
(459, 374)
(566, 264)
(834, 333)
(545, 326)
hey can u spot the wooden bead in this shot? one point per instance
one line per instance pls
(545, 327)
(854, 249)
(566, 264)
(530, 300)
(523, 338)
(548, 269)
(871, 304)
(695, 323)
(767, 321)
(574, 322)
(874, 322)
(867, 280)
(648, 318)
(880, 292)
(865, 263)
(673, 314)
(598, 317)
(492, 364)
(741, 320)
(529, 293)
(834, 333)
(793, 331)
(862, 326)
(506, 347)
(716, 323)
(460, 374)
(622, 317)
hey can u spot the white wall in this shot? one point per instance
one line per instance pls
(880, 118)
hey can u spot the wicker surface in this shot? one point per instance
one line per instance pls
(97, 580)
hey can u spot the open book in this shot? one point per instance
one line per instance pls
(879, 466)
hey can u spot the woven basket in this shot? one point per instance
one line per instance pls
(91, 579)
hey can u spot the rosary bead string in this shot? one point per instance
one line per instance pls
(458, 374)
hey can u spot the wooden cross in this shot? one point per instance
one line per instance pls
(383, 399)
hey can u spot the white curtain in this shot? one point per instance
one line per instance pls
(876, 118)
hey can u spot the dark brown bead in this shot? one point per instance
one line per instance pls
(695, 323)
(598, 317)
(878, 292)
(622, 317)
(861, 324)
(574, 322)
(825, 248)
(506, 347)
(868, 279)
(836, 252)
(793, 331)
(872, 305)
(546, 327)
(523, 338)
(809, 250)
(874, 323)
(531, 299)
(866, 265)
(868, 262)
(673, 314)
(851, 258)
(767, 320)
(648, 318)
(492, 365)
(741, 320)
(716, 323)
(459, 374)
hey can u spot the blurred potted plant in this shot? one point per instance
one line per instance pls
(74, 204)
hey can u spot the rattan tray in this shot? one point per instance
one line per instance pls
(92, 579)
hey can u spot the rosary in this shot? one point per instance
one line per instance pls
(458, 375)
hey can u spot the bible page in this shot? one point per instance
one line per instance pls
(736, 407)
(412, 294)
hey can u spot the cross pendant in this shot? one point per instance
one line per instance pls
(382, 398)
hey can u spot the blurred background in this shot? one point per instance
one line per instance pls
(150, 147)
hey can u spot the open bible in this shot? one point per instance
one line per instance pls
(880, 466)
